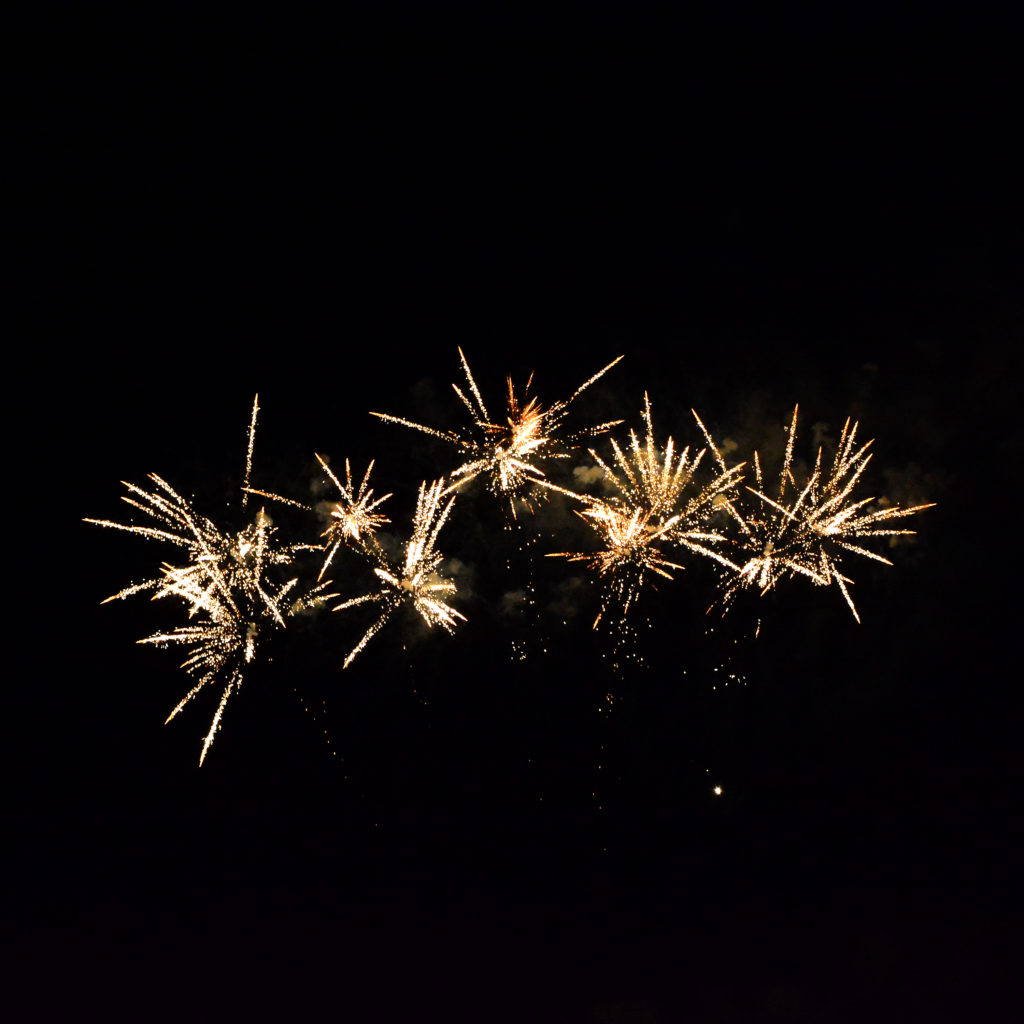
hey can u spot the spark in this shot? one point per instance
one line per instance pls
(510, 454)
(416, 581)
(811, 531)
(225, 581)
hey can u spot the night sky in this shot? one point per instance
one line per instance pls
(754, 216)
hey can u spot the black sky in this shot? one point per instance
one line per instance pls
(755, 216)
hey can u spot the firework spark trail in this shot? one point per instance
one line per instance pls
(416, 581)
(224, 582)
(248, 452)
(654, 505)
(510, 454)
(808, 535)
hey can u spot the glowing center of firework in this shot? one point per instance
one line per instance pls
(526, 434)
(348, 523)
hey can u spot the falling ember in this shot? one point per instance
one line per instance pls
(416, 582)
(809, 533)
(510, 454)
(225, 583)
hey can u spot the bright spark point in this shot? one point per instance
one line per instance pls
(510, 454)
(717, 790)
(417, 581)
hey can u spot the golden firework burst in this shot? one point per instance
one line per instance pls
(809, 533)
(225, 581)
(510, 454)
(657, 502)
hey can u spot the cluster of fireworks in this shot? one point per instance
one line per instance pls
(660, 506)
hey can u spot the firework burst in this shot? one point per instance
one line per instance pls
(808, 532)
(510, 454)
(660, 484)
(416, 582)
(225, 582)
(657, 502)
(629, 550)
(353, 518)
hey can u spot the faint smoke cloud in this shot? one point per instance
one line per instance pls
(513, 603)
(820, 434)
(463, 574)
(727, 446)
(570, 594)
(586, 475)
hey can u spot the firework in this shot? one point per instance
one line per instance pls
(510, 454)
(656, 503)
(630, 549)
(352, 519)
(808, 533)
(659, 483)
(416, 582)
(225, 582)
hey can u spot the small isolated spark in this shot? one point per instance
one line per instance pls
(811, 531)
(224, 581)
(417, 581)
(510, 454)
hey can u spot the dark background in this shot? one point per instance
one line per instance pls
(755, 214)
